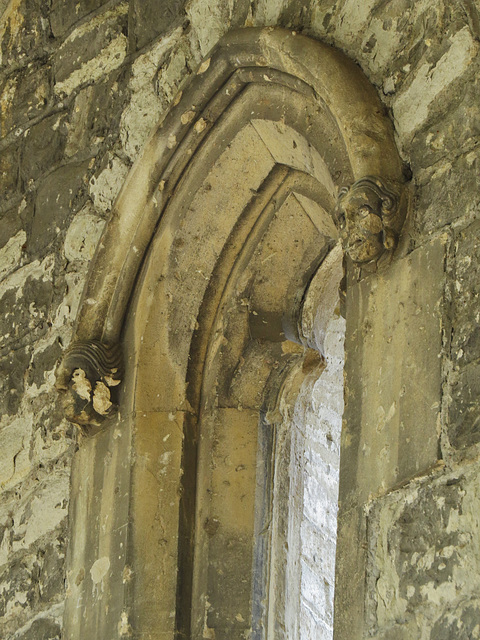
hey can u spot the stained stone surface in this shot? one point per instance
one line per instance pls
(81, 85)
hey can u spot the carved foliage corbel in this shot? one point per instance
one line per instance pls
(89, 374)
(369, 216)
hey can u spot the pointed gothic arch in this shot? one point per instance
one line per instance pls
(274, 150)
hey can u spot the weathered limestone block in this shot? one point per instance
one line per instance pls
(149, 19)
(43, 628)
(24, 31)
(13, 222)
(60, 192)
(94, 116)
(411, 107)
(466, 296)
(26, 297)
(149, 85)
(210, 20)
(464, 411)
(26, 94)
(464, 405)
(447, 192)
(64, 14)
(11, 253)
(83, 235)
(452, 129)
(43, 147)
(394, 335)
(32, 547)
(424, 559)
(105, 186)
(92, 50)
(13, 365)
(9, 175)
(15, 462)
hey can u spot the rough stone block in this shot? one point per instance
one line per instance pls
(50, 561)
(142, 113)
(452, 129)
(466, 296)
(11, 254)
(43, 363)
(34, 511)
(91, 51)
(14, 444)
(411, 108)
(42, 629)
(460, 623)
(25, 95)
(61, 192)
(18, 588)
(464, 410)
(30, 586)
(27, 32)
(43, 147)
(11, 225)
(13, 366)
(447, 192)
(149, 19)
(95, 114)
(65, 13)
(26, 296)
(424, 559)
(9, 172)
(83, 235)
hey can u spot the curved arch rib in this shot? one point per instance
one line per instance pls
(314, 79)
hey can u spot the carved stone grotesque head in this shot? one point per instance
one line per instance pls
(87, 376)
(369, 219)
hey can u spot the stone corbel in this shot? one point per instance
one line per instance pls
(89, 375)
(369, 217)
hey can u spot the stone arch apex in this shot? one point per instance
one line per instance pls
(275, 79)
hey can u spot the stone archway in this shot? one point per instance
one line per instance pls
(275, 148)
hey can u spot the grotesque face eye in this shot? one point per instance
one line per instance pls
(369, 221)
(364, 211)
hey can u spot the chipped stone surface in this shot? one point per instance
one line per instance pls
(55, 198)
(424, 559)
(210, 21)
(92, 71)
(105, 187)
(11, 254)
(83, 235)
(145, 107)
(410, 108)
(91, 51)
(148, 18)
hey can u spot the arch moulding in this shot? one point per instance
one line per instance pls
(198, 307)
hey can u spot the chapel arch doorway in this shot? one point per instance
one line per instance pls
(207, 279)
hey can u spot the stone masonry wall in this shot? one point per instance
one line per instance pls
(81, 86)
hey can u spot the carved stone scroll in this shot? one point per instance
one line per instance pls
(89, 374)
